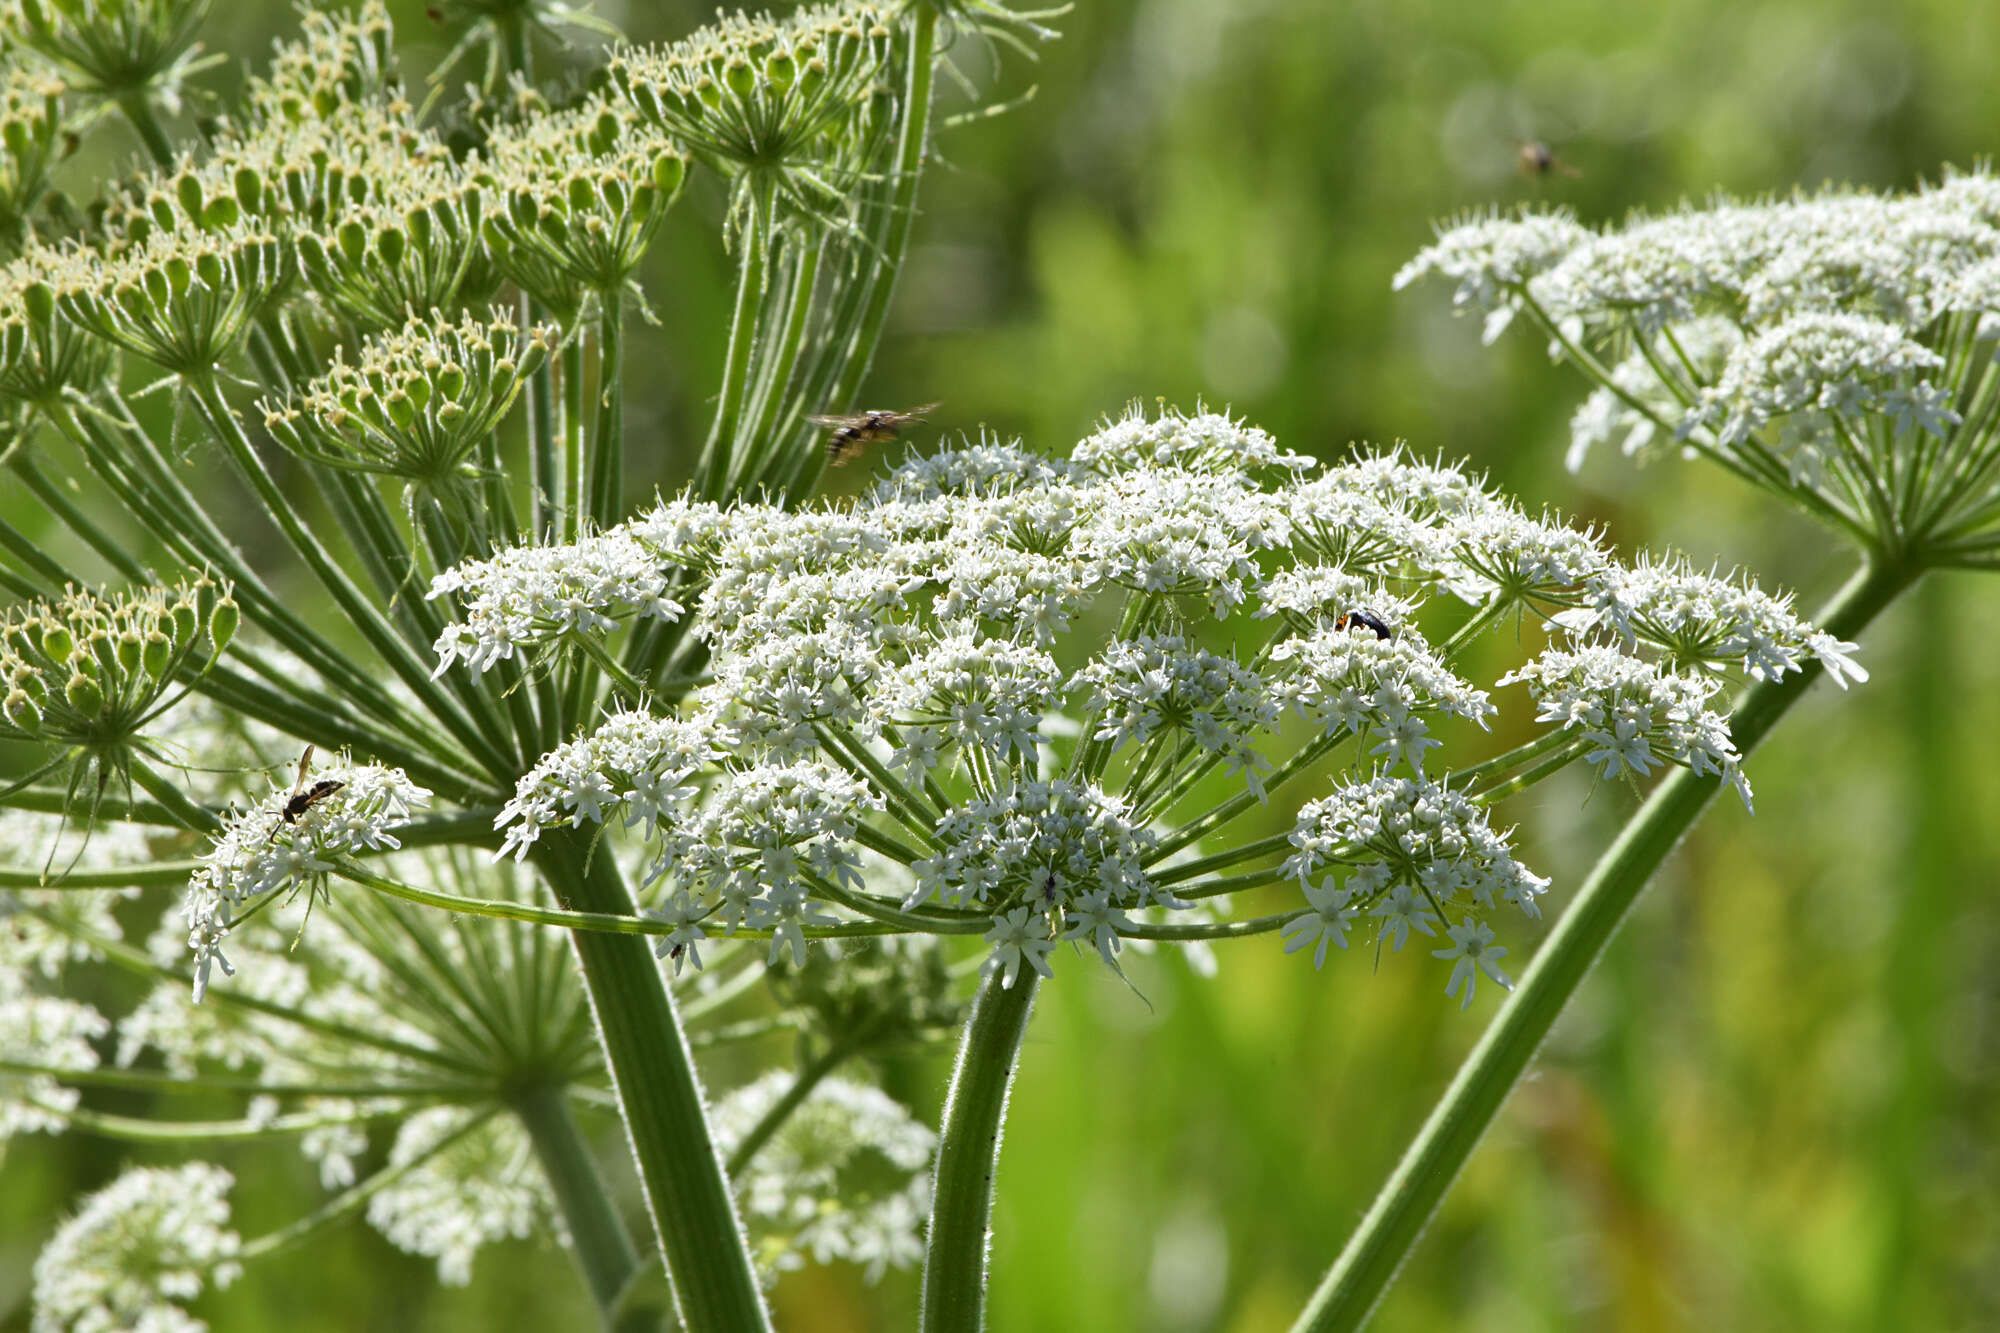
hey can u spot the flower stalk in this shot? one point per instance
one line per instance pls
(955, 1261)
(660, 1099)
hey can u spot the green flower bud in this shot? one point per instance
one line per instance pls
(58, 644)
(742, 79)
(188, 190)
(159, 653)
(222, 623)
(130, 648)
(84, 695)
(22, 711)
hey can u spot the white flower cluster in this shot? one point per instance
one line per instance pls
(1705, 621)
(1633, 715)
(1140, 688)
(464, 1187)
(1826, 347)
(47, 1031)
(846, 1177)
(920, 684)
(1352, 683)
(293, 837)
(135, 1250)
(533, 594)
(1407, 830)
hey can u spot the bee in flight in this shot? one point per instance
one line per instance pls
(854, 430)
(304, 798)
(1536, 160)
(1366, 620)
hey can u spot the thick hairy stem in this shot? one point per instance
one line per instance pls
(1388, 1233)
(659, 1096)
(969, 1153)
(603, 1247)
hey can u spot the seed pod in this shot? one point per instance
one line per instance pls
(222, 623)
(22, 710)
(158, 655)
(84, 694)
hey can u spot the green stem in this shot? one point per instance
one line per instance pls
(660, 1098)
(186, 811)
(717, 460)
(969, 1152)
(607, 439)
(145, 123)
(910, 149)
(602, 1245)
(364, 615)
(1386, 1235)
(75, 519)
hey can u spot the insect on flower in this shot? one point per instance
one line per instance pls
(303, 797)
(854, 430)
(1366, 620)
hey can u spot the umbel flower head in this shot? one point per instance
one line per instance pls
(917, 717)
(295, 837)
(88, 673)
(137, 1248)
(582, 193)
(417, 403)
(847, 1177)
(1833, 348)
(112, 48)
(781, 109)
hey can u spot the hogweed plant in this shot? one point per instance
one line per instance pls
(498, 809)
(1838, 352)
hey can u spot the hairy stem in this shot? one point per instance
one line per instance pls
(969, 1153)
(660, 1097)
(1387, 1234)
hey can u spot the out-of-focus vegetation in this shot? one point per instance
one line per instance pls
(1777, 1104)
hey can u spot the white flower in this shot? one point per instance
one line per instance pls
(1474, 951)
(1016, 938)
(135, 1249)
(1490, 257)
(1326, 922)
(278, 845)
(49, 1031)
(531, 595)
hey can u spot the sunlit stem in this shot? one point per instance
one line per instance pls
(1235, 856)
(755, 462)
(954, 1290)
(717, 460)
(607, 437)
(659, 1095)
(364, 616)
(1193, 832)
(190, 814)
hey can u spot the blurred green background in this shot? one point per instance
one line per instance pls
(1776, 1104)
